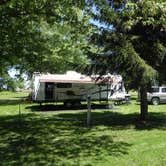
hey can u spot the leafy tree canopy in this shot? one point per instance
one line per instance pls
(43, 35)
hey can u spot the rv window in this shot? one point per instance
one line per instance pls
(64, 85)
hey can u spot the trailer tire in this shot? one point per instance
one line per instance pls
(68, 104)
(77, 103)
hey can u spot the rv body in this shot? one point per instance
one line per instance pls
(73, 87)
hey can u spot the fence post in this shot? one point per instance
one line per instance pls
(20, 101)
(88, 111)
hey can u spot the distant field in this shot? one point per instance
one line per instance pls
(7, 95)
(33, 136)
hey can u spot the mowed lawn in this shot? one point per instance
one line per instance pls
(32, 136)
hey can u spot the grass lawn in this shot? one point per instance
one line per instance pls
(116, 138)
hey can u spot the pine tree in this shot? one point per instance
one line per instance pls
(133, 40)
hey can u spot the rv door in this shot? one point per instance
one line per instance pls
(49, 91)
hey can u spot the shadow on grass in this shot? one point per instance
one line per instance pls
(61, 107)
(114, 120)
(119, 121)
(44, 140)
(63, 139)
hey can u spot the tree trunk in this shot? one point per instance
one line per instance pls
(144, 102)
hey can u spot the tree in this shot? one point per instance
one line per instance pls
(48, 33)
(135, 45)
(44, 36)
(10, 83)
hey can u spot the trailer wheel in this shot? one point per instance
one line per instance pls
(67, 104)
(77, 103)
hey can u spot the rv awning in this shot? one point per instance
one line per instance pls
(65, 79)
(74, 77)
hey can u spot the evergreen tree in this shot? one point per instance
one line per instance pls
(133, 40)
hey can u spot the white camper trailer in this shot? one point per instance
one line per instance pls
(73, 87)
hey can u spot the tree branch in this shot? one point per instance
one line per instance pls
(2, 2)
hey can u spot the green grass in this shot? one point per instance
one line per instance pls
(116, 138)
(7, 95)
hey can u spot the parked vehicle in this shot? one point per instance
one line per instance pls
(157, 95)
(72, 88)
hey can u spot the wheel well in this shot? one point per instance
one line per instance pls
(155, 97)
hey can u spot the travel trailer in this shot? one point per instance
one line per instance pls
(72, 88)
